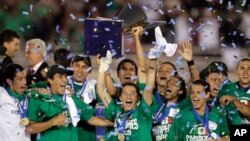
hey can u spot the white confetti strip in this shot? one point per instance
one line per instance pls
(72, 16)
(161, 12)
(191, 20)
(109, 4)
(244, 3)
(144, 7)
(31, 7)
(25, 13)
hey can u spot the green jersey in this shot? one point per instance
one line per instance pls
(86, 92)
(44, 107)
(163, 119)
(138, 123)
(186, 126)
(233, 89)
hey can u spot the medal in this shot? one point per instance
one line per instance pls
(121, 137)
(25, 121)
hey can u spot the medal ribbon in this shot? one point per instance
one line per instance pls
(199, 118)
(121, 127)
(158, 98)
(23, 107)
(160, 116)
(82, 89)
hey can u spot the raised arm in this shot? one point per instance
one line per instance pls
(187, 54)
(148, 92)
(111, 89)
(136, 33)
(101, 86)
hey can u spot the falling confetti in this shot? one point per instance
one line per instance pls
(161, 12)
(244, 3)
(25, 13)
(31, 7)
(72, 16)
(109, 4)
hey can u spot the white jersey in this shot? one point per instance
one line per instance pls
(10, 127)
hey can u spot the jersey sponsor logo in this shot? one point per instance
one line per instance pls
(131, 125)
(14, 112)
(161, 131)
(196, 138)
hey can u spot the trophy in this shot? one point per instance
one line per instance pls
(133, 15)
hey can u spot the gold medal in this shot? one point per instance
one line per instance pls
(121, 137)
(25, 121)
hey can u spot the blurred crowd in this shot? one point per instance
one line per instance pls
(60, 22)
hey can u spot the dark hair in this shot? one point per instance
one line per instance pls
(126, 61)
(63, 57)
(202, 83)
(7, 36)
(242, 60)
(133, 85)
(9, 72)
(182, 88)
(171, 64)
(80, 57)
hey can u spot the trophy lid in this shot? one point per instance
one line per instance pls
(133, 15)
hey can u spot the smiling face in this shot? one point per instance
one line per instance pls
(173, 89)
(127, 73)
(18, 85)
(243, 73)
(129, 97)
(58, 83)
(81, 70)
(164, 72)
(214, 80)
(198, 96)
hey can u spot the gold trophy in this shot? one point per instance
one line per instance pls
(132, 16)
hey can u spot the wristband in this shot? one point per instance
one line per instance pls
(190, 63)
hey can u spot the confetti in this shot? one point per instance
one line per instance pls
(161, 12)
(107, 29)
(94, 9)
(170, 11)
(109, 4)
(72, 16)
(238, 11)
(58, 28)
(244, 3)
(145, 7)
(191, 20)
(234, 45)
(190, 29)
(81, 19)
(221, 1)
(31, 7)
(22, 29)
(172, 32)
(25, 13)
(129, 6)
(229, 5)
(172, 21)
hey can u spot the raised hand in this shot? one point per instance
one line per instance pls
(105, 62)
(187, 53)
(137, 31)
